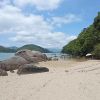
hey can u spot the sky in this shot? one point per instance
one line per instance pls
(47, 23)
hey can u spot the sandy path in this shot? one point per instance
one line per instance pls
(66, 80)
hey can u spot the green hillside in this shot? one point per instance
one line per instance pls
(30, 47)
(6, 50)
(88, 41)
(34, 47)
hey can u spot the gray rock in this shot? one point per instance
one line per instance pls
(30, 68)
(22, 59)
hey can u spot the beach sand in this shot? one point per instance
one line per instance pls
(66, 80)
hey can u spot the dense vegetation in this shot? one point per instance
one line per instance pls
(30, 47)
(88, 41)
(34, 47)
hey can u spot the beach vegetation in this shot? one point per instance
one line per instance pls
(88, 41)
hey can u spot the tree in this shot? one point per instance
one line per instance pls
(96, 51)
(86, 40)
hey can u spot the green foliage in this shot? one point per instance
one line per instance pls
(30, 47)
(86, 41)
(97, 22)
(6, 50)
(73, 48)
(34, 47)
(96, 51)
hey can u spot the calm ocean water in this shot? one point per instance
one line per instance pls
(4, 56)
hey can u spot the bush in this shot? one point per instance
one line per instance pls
(96, 51)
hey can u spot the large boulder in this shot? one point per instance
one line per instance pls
(23, 59)
(31, 56)
(30, 68)
(12, 63)
(3, 73)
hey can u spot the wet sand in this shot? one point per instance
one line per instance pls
(66, 80)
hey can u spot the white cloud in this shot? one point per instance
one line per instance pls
(12, 20)
(47, 40)
(30, 29)
(4, 2)
(39, 4)
(67, 19)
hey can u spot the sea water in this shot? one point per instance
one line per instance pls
(4, 56)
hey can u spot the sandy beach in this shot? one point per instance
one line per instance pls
(66, 80)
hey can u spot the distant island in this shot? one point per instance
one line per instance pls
(88, 41)
(7, 49)
(28, 46)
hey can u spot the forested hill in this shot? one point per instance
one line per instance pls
(29, 46)
(6, 49)
(34, 47)
(88, 41)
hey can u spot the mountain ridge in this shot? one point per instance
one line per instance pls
(13, 49)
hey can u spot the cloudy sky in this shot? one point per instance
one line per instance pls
(47, 23)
